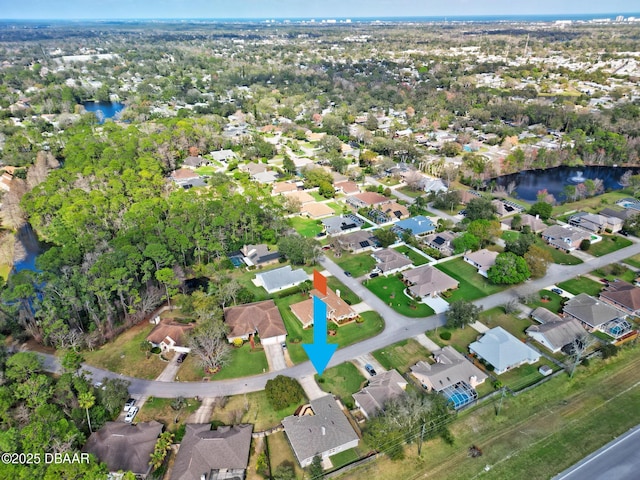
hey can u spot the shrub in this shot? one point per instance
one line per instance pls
(156, 350)
(585, 244)
(283, 391)
(238, 342)
(446, 335)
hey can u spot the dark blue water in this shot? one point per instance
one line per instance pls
(104, 110)
(28, 263)
(554, 180)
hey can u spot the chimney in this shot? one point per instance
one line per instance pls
(324, 431)
(337, 293)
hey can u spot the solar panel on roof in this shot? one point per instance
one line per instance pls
(439, 241)
(364, 244)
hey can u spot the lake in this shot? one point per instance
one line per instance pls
(530, 182)
(104, 110)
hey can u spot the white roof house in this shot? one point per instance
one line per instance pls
(280, 279)
(503, 351)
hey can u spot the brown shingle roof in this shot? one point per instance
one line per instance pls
(622, 293)
(169, 329)
(337, 308)
(261, 317)
(372, 198)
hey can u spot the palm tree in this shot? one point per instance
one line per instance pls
(87, 400)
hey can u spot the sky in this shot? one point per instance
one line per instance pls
(122, 9)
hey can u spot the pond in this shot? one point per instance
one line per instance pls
(554, 180)
(104, 110)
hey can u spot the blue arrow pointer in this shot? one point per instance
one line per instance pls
(319, 352)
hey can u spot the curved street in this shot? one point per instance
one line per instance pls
(397, 328)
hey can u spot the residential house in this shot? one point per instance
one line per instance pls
(265, 177)
(259, 255)
(619, 212)
(503, 351)
(534, 223)
(595, 314)
(427, 281)
(301, 162)
(555, 332)
(391, 261)
(434, 185)
(261, 318)
(194, 162)
(381, 389)
(223, 155)
(338, 311)
(183, 176)
(367, 199)
(467, 195)
(504, 208)
(316, 210)
(564, 238)
(418, 225)
(320, 429)
(393, 211)
(302, 197)
(443, 242)
(341, 224)
(280, 279)
(125, 447)
(253, 168)
(483, 260)
(347, 187)
(622, 295)
(221, 454)
(596, 223)
(449, 368)
(170, 335)
(357, 242)
(284, 187)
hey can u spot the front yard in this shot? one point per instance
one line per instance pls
(243, 362)
(345, 293)
(581, 285)
(343, 380)
(160, 409)
(307, 227)
(460, 338)
(124, 355)
(401, 355)
(472, 285)
(495, 317)
(608, 244)
(547, 299)
(391, 291)
(359, 264)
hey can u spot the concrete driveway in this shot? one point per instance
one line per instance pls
(275, 357)
(438, 304)
(362, 360)
(171, 370)
(311, 388)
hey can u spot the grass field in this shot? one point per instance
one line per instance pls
(593, 204)
(252, 408)
(537, 434)
(243, 362)
(347, 334)
(554, 304)
(411, 192)
(345, 293)
(624, 273)
(472, 285)
(307, 227)
(495, 317)
(558, 256)
(160, 409)
(460, 338)
(343, 380)
(581, 285)
(391, 291)
(633, 261)
(401, 355)
(608, 244)
(206, 170)
(358, 265)
(280, 453)
(123, 355)
(415, 257)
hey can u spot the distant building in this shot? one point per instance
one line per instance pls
(341, 224)
(418, 225)
(280, 278)
(259, 255)
(390, 261)
(483, 260)
(357, 242)
(441, 241)
(428, 281)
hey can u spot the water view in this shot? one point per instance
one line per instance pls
(104, 110)
(554, 180)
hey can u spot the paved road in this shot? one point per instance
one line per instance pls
(617, 460)
(397, 328)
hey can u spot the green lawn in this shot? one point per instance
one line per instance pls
(495, 317)
(345, 293)
(621, 273)
(307, 227)
(524, 375)
(252, 408)
(581, 285)
(347, 334)
(410, 192)
(415, 257)
(391, 291)
(160, 409)
(593, 204)
(553, 304)
(633, 261)
(344, 458)
(337, 208)
(317, 196)
(343, 380)
(358, 265)
(608, 244)
(243, 362)
(205, 170)
(401, 355)
(460, 338)
(123, 355)
(509, 235)
(558, 256)
(279, 453)
(472, 285)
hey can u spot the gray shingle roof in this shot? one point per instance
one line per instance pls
(559, 333)
(450, 368)
(311, 435)
(203, 450)
(590, 310)
(382, 388)
(282, 277)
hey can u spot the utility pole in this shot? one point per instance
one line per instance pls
(421, 437)
(504, 392)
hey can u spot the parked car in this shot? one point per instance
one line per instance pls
(131, 414)
(182, 357)
(347, 273)
(284, 346)
(370, 370)
(557, 290)
(129, 404)
(373, 274)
